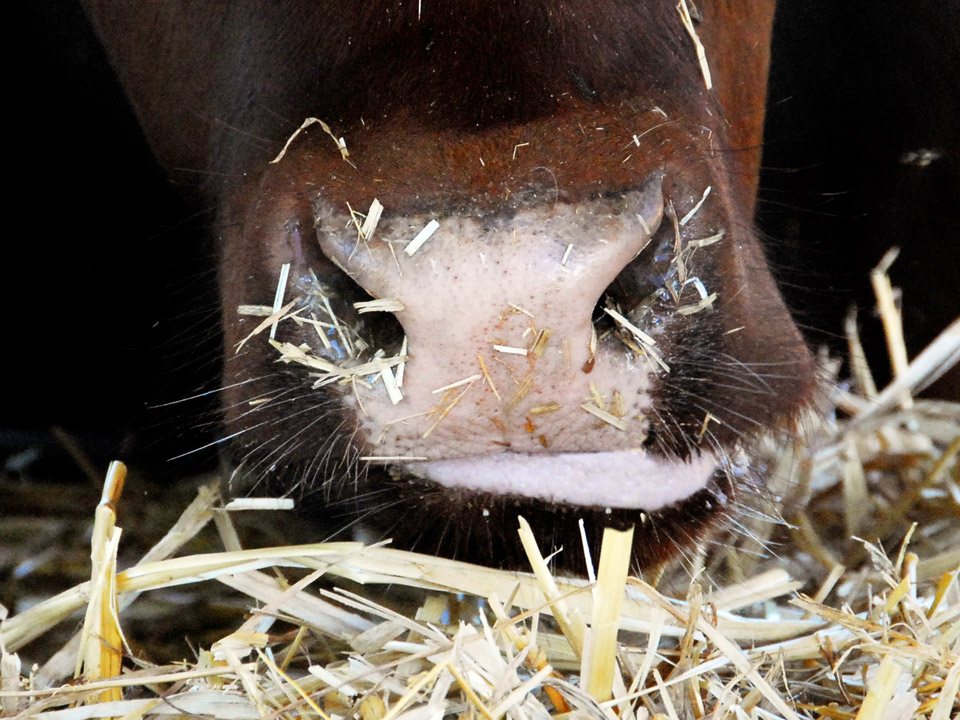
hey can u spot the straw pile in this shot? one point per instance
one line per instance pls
(781, 620)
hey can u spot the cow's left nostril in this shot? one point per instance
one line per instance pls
(640, 288)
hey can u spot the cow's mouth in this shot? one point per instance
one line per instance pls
(629, 479)
(467, 508)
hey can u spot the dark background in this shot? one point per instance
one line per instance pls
(108, 270)
(858, 90)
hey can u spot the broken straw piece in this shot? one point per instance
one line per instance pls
(403, 364)
(421, 237)
(341, 144)
(647, 343)
(370, 222)
(686, 218)
(238, 504)
(458, 383)
(701, 52)
(278, 297)
(390, 383)
(255, 310)
(268, 322)
(601, 414)
(380, 305)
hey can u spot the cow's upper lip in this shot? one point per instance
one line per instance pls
(627, 479)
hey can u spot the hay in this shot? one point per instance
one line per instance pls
(340, 142)
(687, 21)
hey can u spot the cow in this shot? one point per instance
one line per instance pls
(570, 313)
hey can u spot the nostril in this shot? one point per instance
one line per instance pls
(337, 328)
(640, 290)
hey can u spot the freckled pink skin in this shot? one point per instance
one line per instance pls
(461, 292)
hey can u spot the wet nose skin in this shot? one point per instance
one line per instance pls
(476, 297)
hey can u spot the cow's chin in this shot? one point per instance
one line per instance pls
(628, 479)
(467, 509)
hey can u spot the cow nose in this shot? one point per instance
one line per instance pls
(450, 280)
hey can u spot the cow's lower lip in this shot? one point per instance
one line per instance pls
(620, 479)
